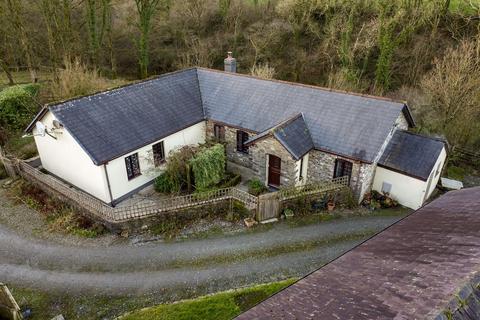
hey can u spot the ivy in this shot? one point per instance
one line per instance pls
(208, 167)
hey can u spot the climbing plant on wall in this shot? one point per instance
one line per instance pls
(208, 167)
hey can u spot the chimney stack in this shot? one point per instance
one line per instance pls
(230, 63)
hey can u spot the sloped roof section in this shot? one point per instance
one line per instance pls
(112, 123)
(346, 124)
(292, 133)
(412, 154)
(295, 137)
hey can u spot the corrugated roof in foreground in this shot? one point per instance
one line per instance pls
(110, 124)
(412, 154)
(411, 270)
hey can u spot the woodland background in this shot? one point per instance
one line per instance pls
(425, 52)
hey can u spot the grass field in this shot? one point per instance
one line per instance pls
(224, 305)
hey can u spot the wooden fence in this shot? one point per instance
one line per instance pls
(137, 211)
(266, 206)
(270, 204)
(465, 155)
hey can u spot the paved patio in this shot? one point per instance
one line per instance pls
(409, 271)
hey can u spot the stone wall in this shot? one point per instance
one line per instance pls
(321, 166)
(233, 155)
(267, 146)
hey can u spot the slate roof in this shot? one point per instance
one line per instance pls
(411, 270)
(110, 124)
(113, 123)
(293, 134)
(411, 154)
(346, 124)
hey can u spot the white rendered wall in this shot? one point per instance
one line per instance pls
(117, 173)
(304, 170)
(408, 191)
(65, 158)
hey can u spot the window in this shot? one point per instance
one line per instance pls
(158, 153)
(219, 132)
(300, 176)
(342, 168)
(133, 166)
(242, 137)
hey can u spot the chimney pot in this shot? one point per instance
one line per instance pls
(230, 63)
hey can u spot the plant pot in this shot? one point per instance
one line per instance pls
(249, 222)
(289, 215)
(330, 206)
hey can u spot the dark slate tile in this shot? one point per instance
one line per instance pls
(412, 154)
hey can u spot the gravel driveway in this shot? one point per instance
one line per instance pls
(215, 264)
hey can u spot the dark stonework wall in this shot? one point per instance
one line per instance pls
(320, 164)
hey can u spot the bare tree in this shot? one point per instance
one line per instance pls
(453, 90)
(15, 11)
(145, 10)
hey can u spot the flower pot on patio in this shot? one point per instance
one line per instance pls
(249, 222)
(330, 206)
(288, 213)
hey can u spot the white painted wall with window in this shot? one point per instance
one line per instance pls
(120, 183)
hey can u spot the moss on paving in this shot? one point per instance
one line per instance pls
(224, 305)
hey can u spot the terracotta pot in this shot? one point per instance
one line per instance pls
(249, 222)
(330, 206)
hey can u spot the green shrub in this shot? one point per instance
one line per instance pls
(208, 167)
(163, 183)
(256, 187)
(456, 173)
(17, 106)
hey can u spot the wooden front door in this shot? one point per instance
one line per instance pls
(274, 168)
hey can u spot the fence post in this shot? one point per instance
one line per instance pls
(8, 164)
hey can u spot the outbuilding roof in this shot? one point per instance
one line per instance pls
(110, 124)
(411, 154)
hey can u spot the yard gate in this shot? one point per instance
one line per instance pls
(268, 206)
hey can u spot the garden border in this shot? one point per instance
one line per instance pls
(116, 218)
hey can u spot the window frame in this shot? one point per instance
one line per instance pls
(242, 137)
(219, 132)
(133, 171)
(300, 175)
(343, 163)
(159, 161)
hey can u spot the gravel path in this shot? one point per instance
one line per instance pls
(215, 264)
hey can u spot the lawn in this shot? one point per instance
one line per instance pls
(224, 305)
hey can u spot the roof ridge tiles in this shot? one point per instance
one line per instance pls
(308, 86)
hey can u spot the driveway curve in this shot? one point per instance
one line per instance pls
(212, 264)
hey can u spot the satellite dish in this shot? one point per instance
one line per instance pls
(41, 129)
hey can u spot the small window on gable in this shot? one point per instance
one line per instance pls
(242, 137)
(158, 153)
(219, 132)
(133, 166)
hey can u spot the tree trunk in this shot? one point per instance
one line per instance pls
(15, 10)
(4, 67)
